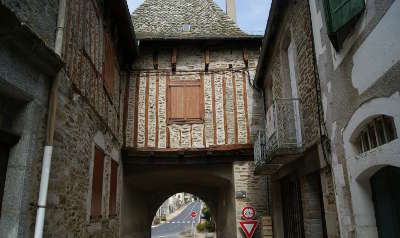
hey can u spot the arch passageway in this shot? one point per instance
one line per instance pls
(147, 186)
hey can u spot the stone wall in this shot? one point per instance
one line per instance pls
(40, 15)
(228, 99)
(296, 28)
(350, 80)
(78, 130)
(254, 188)
(84, 55)
(23, 105)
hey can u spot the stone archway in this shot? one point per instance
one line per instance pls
(146, 187)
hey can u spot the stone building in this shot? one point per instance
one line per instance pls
(28, 66)
(79, 53)
(192, 114)
(358, 54)
(290, 150)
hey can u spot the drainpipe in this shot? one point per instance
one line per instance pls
(48, 149)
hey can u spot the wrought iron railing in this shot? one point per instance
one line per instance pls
(283, 133)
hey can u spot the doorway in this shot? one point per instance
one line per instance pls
(386, 198)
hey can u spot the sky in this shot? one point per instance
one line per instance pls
(252, 14)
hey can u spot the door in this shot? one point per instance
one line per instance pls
(292, 208)
(386, 197)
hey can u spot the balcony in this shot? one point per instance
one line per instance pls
(282, 141)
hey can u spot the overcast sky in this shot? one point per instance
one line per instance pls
(252, 14)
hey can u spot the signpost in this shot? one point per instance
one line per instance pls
(249, 225)
(193, 218)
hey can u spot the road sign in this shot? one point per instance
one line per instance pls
(194, 214)
(249, 227)
(248, 213)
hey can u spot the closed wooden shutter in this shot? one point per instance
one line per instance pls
(339, 15)
(97, 183)
(109, 66)
(113, 188)
(185, 101)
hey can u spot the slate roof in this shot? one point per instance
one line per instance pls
(164, 19)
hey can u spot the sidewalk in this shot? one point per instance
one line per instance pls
(176, 213)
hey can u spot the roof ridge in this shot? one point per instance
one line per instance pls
(223, 14)
(165, 19)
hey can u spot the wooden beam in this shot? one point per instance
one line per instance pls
(207, 59)
(235, 108)
(155, 59)
(224, 98)
(245, 106)
(245, 57)
(167, 109)
(173, 59)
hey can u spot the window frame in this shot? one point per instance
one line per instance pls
(184, 84)
(338, 34)
(364, 140)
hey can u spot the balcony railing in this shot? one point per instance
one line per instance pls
(283, 134)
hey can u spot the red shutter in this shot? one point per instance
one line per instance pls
(97, 183)
(113, 188)
(185, 101)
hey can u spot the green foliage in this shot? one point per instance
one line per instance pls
(157, 221)
(207, 216)
(200, 227)
(163, 218)
(210, 226)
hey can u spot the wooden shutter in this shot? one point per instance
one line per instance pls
(185, 101)
(339, 16)
(109, 66)
(113, 188)
(97, 183)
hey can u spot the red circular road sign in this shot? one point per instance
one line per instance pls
(248, 213)
(194, 214)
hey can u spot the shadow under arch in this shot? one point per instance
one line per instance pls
(147, 187)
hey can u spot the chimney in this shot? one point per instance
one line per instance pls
(231, 9)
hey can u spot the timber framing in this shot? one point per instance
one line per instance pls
(227, 153)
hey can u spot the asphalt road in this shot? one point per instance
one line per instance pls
(182, 222)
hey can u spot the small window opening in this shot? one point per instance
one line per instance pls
(377, 132)
(186, 27)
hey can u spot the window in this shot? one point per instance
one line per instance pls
(97, 183)
(113, 188)
(109, 64)
(377, 132)
(185, 101)
(340, 16)
(186, 27)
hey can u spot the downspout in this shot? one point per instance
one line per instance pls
(51, 120)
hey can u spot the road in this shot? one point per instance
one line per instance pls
(182, 222)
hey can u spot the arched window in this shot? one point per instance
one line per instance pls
(378, 131)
